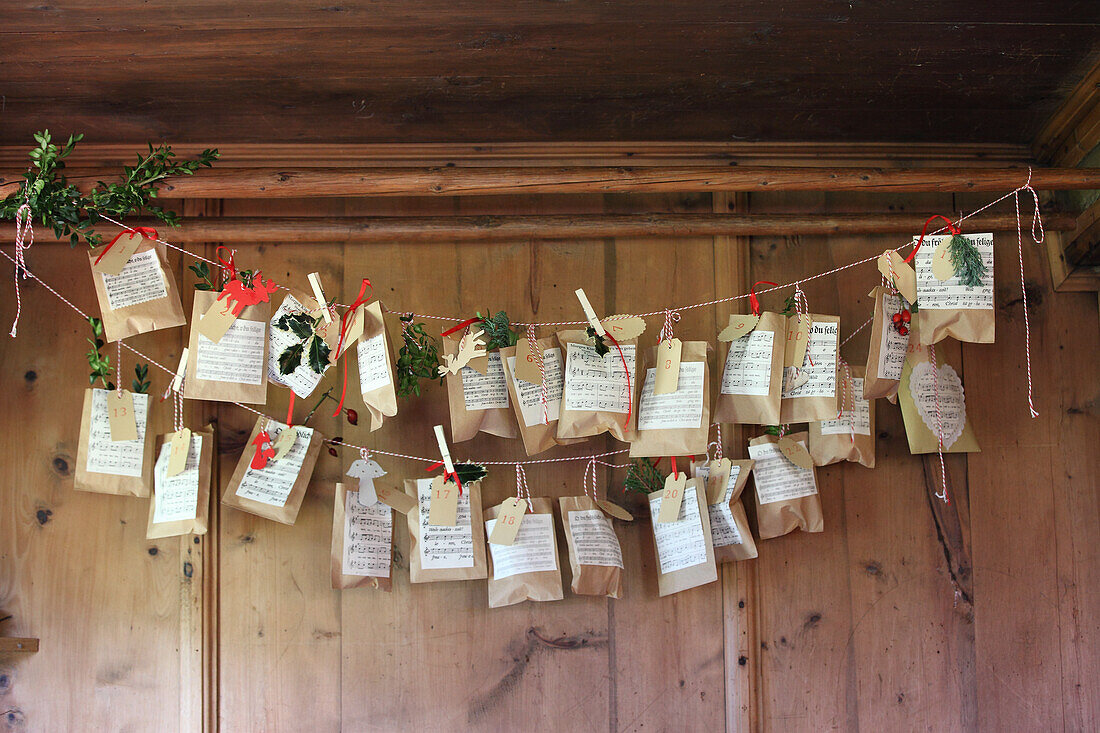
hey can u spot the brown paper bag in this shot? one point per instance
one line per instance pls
(595, 556)
(362, 548)
(303, 380)
(479, 402)
(918, 405)
(375, 360)
(242, 378)
(729, 525)
(752, 381)
(685, 554)
(677, 411)
(850, 437)
(526, 399)
(584, 412)
(816, 399)
(886, 353)
(144, 295)
(949, 308)
(451, 553)
(528, 569)
(786, 495)
(104, 466)
(170, 495)
(275, 491)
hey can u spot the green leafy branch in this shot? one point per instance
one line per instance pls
(202, 271)
(304, 326)
(60, 205)
(498, 331)
(643, 477)
(417, 359)
(966, 260)
(100, 365)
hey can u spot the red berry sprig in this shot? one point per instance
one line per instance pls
(900, 320)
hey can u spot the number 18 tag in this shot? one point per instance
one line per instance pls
(508, 520)
(120, 414)
(443, 503)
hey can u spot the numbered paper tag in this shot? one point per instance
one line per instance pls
(284, 442)
(527, 364)
(443, 503)
(119, 254)
(120, 413)
(668, 366)
(624, 327)
(905, 280)
(795, 452)
(942, 267)
(614, 510)
(672, 497)
(395, 499)
(177, 453)
(508, 520)
(740, 325)
(217, 320)
(718, 478)
(798, 335)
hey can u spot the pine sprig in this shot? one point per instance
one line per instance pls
(417, 359)
(966, 260)
(100, 364)
(60, 205)
(643, 477)
(498, 331)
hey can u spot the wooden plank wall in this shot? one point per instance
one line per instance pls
(903, 614)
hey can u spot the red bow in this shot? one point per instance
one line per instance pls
(147, 232)
(345, 326)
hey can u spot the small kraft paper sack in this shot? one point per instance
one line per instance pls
(786, 494)
(886, 353)
(362, 542)
(595, 555)
(917, 397)
(233, 369)
(528, 569)
(539, 432)
(752, 378)
(181, 503)
(950, 307)
(107, 466)
(677, 423)
(142, 295)
(375, 362)
(851, 436)
(809, 392)
(478, 402)
(276, 490)
(599, 396)
(729, 525)
(281, 337)
(439, 553)
(685, 555)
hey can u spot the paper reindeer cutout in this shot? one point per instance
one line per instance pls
(240, 295)
(366, 470)
(260, 458)
(468, 348)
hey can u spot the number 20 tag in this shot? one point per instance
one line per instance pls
(508, 520)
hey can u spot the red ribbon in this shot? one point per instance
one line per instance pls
(290, 411)
(147, 232)
(753, 301)
(950, 227)
(345, 325)
(675, 473)
(231, 266)
(447, 475)
(459, 327)
(629, 388)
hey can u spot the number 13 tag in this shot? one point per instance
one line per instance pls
(668, 366)
(443, 503)
(120, 414)
(508, 520)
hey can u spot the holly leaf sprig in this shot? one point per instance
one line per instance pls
(966, 260)
(140, 385)
(498, 331)
(468, 473)
(206, 280)
(304, 326)
(100, 364)
(62, 207)
(643, 477)
(598, 342)
(417, 359)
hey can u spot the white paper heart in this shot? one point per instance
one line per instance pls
(952, 400)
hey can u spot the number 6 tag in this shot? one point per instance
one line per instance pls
(527, 365)
(443, 503)
(509, 516)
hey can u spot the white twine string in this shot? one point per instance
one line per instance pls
(671, 318)
(939, 423)
(522, 492)
(24, 229)
(1036, 220)
(118, 368)
(536, 354)
(848, 397)
(178, 409)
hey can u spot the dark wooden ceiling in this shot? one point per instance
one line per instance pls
(540, 70)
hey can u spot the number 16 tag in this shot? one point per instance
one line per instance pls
(443, 503)
(508, 520)
(120, 415)
(668, 366)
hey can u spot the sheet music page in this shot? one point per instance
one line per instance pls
(486, 391)
(176, 497)
(532, 552)
(368, 531)
(748, 369)
(272, 484)
(238, 357)
(140, 281)
(891, 354)
(723, 528)
(952, 294)
(859, 419)
(444, 547)
(819, 364)
(374, 372)
(530, 395)
(777, 479)
(589, 385)
(680, 409)
(680, 544)
(302, 380)
(118, 458)
(594, 540)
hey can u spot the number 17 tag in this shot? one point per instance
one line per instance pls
(120, 414)
(508, 520)
(443, 503)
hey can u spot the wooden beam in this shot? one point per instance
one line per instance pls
(424, 229)
(1074, 128)
(18, 645)
(473, 181)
